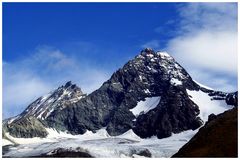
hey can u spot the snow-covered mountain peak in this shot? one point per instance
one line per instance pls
(55, 100)
(152, 63)
(150, 53)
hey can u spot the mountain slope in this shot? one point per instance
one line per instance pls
(218, 138)
(151, 94)
(57, 100)
(149, 74)
(30, 123)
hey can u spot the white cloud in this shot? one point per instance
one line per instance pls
(215, 81)
(208, 16)
(18, 94)
(207, 41)
(216, 51)
(46, 69)
(20, 88)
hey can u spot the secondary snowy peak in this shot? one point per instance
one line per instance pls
(55, 100)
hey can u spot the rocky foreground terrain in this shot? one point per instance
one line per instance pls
(217, 138)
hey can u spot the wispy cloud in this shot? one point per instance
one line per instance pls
(206, 42)
(46, 69)
(19, 88)
(207, 16)
(216, 51)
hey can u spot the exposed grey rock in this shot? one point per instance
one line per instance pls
(211, 117)
(26, 128)
(62, 152)
(232, 99)
(145, 153)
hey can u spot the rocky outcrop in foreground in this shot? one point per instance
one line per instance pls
(218, 138)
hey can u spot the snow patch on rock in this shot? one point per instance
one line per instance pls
(206, 105)
(175, 82)
(146, 105)
(150, 55)
(164, 55)
(147, 91)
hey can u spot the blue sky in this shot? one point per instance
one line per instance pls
(109, 26)
(47, 44)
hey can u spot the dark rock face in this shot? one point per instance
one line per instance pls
(65, 153)
(91, 113)
(149, 74)
(145, 153)
(121, 121)
(218, 138)
(232, 99)
(174, 113)
(211, 117)
(26, 128)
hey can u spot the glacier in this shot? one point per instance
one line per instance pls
(99, 144)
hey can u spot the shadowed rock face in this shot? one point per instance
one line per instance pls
(27, 128)
(218, 138)
(149, 74)
(232, 99)
(175, 113)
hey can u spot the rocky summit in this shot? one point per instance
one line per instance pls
(149, 95)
